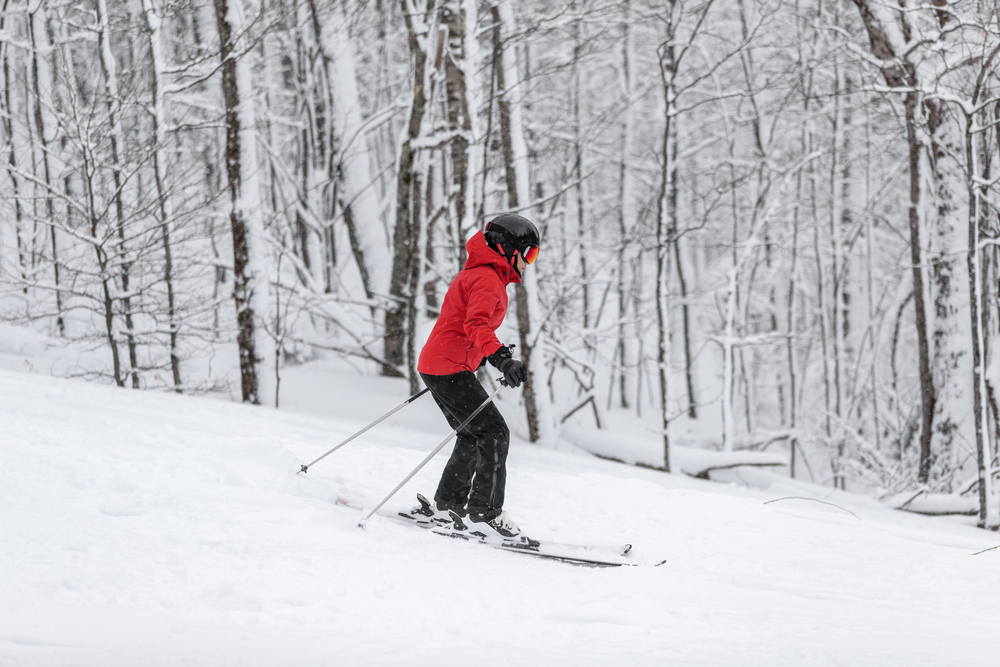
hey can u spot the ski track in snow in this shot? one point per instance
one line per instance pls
(149, 529)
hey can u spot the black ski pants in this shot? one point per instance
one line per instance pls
(476, 473)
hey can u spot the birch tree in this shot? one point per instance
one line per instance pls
(250, 277)
(515, 154)
(406, 234)
(887, 43)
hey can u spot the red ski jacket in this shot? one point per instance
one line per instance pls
(473, 308)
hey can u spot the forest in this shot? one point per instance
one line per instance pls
(774, 223)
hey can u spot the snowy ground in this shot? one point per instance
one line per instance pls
(145, 529)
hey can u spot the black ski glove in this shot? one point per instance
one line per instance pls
(513, 370)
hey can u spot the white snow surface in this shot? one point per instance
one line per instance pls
(139, 528)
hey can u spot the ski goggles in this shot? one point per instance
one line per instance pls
(531, 254)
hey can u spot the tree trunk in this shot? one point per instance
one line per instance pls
(837, 213)
(249, 272)
(110, 71)
(459, 68)
(41, 78)
(11, 163)
(515, 154)
(666, 205)
(107, 303)
(578, 150)
(153, 21)
(987, 518)
(626, 213)
(927, 388)
(692, 410)
(405, 243)
(988, 514)
(904, 75)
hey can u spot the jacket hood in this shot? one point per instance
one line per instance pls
(480, 254)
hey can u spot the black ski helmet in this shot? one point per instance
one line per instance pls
(510, 233)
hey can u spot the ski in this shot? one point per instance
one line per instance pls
(454, 527)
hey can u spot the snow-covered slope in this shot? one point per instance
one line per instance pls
(147, 529)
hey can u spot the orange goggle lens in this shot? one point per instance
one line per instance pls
(531, 254)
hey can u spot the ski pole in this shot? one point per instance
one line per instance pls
(503, 383)
(305, 468)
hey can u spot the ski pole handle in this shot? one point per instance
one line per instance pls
(437, 449)
(305, 468)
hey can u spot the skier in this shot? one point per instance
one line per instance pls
(462, 340)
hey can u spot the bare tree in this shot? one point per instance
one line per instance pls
(249, 275)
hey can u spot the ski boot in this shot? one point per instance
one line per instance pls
(501, 524)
